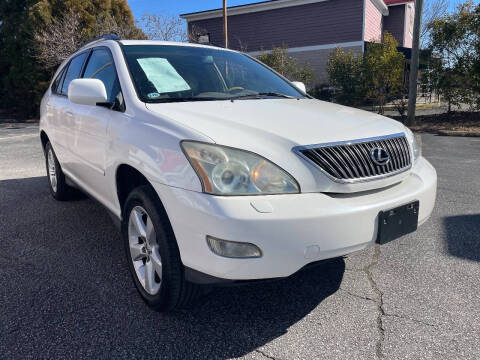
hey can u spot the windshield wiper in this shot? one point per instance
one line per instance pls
(185, 99)
(276, 95)
(210, 98)
(262, 94)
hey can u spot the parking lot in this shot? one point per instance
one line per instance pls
(65, 289)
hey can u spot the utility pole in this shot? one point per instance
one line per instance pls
(412, 84)
(225, 23)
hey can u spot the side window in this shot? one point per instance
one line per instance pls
(73, 72)
(101, 66)
(58, 81)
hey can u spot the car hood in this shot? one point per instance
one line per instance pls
(272, 127)
(300, 122)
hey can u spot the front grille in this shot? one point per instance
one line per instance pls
(351, 161)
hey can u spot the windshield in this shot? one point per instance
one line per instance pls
(167, 73)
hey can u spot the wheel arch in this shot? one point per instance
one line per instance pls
(128, 178)
(44, 139)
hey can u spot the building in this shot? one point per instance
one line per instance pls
(310, 29)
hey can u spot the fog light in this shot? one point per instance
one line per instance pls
(233, 249)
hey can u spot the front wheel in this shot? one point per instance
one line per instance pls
(152, 253)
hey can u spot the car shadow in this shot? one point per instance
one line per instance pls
(463, 236)
(67, 290)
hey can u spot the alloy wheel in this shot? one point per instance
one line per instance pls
(52, 170)
(144, 250)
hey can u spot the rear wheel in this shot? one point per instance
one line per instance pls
(56, 178)
(152, 253)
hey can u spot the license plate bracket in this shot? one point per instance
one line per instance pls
(397, 222)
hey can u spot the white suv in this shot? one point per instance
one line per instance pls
(219, 170)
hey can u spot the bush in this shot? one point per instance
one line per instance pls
(455, 39)
(345, 73)
(377, 76)
(383, 71)
(279, 60)
(323, 92)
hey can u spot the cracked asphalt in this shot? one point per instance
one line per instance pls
(65, 290)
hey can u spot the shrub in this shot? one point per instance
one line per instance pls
(455, 39)
(323, 92)
(279, 60)
(345, 73)
(376, 76)
(383, 71)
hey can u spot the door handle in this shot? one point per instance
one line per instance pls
(69, 113)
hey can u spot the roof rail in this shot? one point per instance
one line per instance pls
(101, 38)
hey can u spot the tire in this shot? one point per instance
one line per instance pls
(152, 253)
(56, 178)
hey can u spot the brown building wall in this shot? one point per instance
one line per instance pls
(327, 22)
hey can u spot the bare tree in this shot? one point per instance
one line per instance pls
(432, 10)
(107, 24)
(195, 33)
(163, 27)
(64, 36)
(242, 46)
(58, 40)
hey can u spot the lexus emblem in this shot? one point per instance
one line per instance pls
(380, 156)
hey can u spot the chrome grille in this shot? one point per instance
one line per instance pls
(351, 161)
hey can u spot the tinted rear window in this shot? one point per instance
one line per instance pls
(57, 84)
(74, 71)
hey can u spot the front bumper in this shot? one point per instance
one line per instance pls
(291, 230)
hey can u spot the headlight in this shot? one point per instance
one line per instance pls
(416, 147)
(227, 171)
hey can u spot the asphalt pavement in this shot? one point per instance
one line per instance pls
(65, 290)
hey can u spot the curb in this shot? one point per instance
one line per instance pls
(16, 121)
(448, 133)
(457, 133)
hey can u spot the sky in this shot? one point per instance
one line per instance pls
(176, 7)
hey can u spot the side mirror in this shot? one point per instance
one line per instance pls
(300, 86)
(87, 92)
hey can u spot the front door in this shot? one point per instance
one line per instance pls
(90, 138)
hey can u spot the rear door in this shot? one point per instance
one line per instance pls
(89, 136)
(63, 112)
(53, 115)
